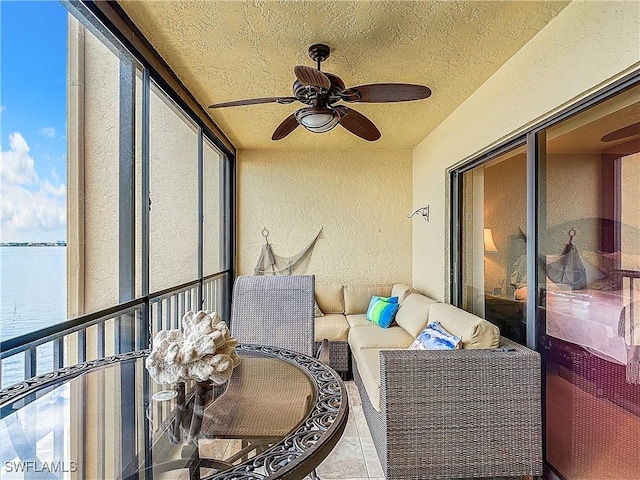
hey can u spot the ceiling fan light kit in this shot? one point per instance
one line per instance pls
(317, 119)
(320, 90)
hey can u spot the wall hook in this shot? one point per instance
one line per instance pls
(424, 211)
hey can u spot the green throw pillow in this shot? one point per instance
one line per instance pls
(382, 310)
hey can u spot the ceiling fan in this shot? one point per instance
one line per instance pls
(628, 131)
(321, 90)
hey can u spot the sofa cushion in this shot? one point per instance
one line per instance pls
(317, 311)
(330, 298)
(402, 291)
(474, 331)
(359, 320)
(357, 297)
(414, 313)
(435, 337)
(332, 326)
(376, 337)
(382, 310)
(368, 364)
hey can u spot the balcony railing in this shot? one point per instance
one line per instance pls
(123, 328)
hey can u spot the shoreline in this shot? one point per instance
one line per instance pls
(33, 244)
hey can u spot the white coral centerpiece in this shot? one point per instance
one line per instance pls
(204, 350)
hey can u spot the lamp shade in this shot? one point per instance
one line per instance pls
(317, 119)
(489, 244)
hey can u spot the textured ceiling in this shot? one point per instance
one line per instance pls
(583, 133)
(231, 50)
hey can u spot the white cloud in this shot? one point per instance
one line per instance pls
(37, 213)
(54, 175)
(48, 188)
(2, 107)
(25, 210)
(17, 166)
(48, 132)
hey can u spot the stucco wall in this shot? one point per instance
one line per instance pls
(584, 47)
(94, 188)
(93, 193)
(360, 198)
(630, 211)
(173, 189)
(573, 186)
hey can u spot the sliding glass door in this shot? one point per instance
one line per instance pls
(589, 250)
(575, 183)
(493, 242)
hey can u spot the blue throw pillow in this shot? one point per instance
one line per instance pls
(434, 337)
(382, 310)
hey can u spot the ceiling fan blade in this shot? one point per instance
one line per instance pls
(254, 101)
(285, 128)
(386, 92)
(358, 124)
(312, 76)
(336, 82)
(628, 131)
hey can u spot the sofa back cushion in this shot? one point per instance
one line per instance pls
(476, 332)
(357, 297)
(330, 298)
(413, 314)
(402, 291)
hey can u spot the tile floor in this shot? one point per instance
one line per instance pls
(354, 457)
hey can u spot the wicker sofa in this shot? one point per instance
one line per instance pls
(343, 307)
(468, 413)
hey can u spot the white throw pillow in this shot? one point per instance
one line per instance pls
(435, 337)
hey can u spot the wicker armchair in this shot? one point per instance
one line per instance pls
(457, 414)
(274, 310)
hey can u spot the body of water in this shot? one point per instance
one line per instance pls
(34, 296)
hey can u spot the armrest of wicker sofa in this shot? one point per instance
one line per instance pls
(462, 413)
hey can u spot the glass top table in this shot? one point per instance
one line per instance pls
(279, 416)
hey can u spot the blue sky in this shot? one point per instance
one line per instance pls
(33, 62)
